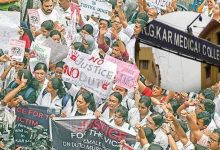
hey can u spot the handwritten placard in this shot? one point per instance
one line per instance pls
(34, 17)
(17, 49)
(90, 72)
(95, 7)
(127, 74)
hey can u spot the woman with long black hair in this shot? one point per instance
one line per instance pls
(22, 89)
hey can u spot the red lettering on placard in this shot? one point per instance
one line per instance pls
(96, 60)
(72, 72)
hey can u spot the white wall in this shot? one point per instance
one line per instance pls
(177, 73)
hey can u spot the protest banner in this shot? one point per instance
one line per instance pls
(39, 53)
(95, 7)
(125, 146)
(161, 4)
(17, 49)
(127, 74)
(94, 74)
(28, 117)
(9, 22)
(34, 17)
(87, 133)
(58, 51)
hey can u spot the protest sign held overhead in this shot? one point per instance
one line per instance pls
(39, 53)
(87, 133)
(95, 7)
(161, 4)
(17, 49)
(90, 72)
(127, 74)
(58, 51)
(27, 117)
(34, 17)
(8, 28)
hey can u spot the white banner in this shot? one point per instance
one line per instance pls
(39, 53)
(161, 4)
(58, 51)
(9, 22)
(17, 49)
(90, 72)
(96, 8)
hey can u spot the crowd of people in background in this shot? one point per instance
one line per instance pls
(160, 118)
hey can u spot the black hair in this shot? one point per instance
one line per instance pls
(209, 105)
(88, 97)
(118, 96)
(155, 147)
(77, 45)
(123, 112)
(1, 52)
(157, 118)
(42, 1)
(88, 28)
(218, 132)
(55, 32)
(25, 61)
(141, 22)
(107, 40)
(208, 93)
(14, 8)
(108, 22)
(48, 25)
(199, 147)
(149, 133)
(205, 116)
(41, 66)
(143, 16)
(115, 44)
(113, 2)
(31, 82)
(145, 100)
(60, 64)
(174, 104)
(58, 85)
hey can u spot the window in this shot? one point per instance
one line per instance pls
(144, 64)
(208, 71)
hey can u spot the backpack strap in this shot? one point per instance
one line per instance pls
(28, 92)
(111, 120)
(104, 107)
(28, 6)
(127, 104)
(129, 127)
(13, 84)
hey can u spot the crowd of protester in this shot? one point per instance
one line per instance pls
(160, 118)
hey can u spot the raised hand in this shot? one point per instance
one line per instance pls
(23, 81)
(4, 58)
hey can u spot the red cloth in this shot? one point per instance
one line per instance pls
(163, 99)
(147, 92)
(125, 56)
(26, 38)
